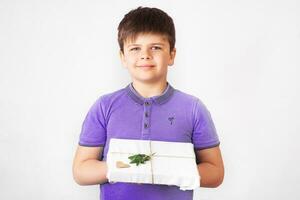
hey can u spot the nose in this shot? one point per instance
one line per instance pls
(145, 55)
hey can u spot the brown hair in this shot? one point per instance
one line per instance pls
(146, 20)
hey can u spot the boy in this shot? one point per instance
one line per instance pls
(148, 108)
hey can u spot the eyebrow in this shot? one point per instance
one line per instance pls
(156, 43)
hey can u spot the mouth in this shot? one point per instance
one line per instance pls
(146, 66)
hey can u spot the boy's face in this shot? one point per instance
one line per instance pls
(148, 57)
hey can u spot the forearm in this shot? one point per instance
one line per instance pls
(90, 172)
(211, 176)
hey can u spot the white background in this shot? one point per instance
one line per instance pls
(241, 58)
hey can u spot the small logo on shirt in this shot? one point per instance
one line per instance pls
(171, 119)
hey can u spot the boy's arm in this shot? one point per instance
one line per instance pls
(210, 167)
(87, 169)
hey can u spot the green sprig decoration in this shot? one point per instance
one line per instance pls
(140, 158)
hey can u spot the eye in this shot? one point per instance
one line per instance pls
(156, 47)
(134, 49)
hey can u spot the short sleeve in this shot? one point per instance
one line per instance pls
(93, 131)
(204, 131)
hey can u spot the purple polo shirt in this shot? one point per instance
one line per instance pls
(173, 116)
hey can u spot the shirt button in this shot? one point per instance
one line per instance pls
(146, 114)
(146, 125)
(147, 103)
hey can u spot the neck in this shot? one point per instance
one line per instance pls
(147, 90)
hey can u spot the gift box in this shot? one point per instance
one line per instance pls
(170, 163)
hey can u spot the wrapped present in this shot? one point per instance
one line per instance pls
(152, 162)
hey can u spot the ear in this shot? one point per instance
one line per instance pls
(172, 57)
(122, 57)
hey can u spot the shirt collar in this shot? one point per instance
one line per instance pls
(159, 99)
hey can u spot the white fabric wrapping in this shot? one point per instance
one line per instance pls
(174, 163)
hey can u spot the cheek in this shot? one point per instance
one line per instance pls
(164, 59)
(130, 60)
